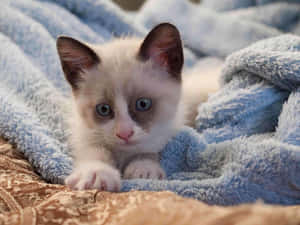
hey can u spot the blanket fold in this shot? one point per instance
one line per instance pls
(246, 144)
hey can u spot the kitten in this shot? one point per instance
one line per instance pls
(126, 106)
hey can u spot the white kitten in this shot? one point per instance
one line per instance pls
(126, 106)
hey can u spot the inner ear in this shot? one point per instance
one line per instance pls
(163, 46)
(75, 57)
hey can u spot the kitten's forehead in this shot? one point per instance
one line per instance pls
(118, 53)
(122, 73)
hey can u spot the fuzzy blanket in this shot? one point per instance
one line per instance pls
(247, 143)
(30, 200)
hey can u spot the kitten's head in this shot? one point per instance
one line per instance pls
(127, 91)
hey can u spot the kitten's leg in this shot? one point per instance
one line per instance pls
(90, 173)
(144, 166)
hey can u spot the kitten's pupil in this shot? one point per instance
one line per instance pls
(143, 104)
(103, 109)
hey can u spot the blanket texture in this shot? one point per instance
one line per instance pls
(30, 200)
(246, 145)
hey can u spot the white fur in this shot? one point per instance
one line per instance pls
(93, 174)
(198, 85)
(145, 169)
(96, 148)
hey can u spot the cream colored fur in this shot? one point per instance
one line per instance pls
(99, 155)
(197, 86)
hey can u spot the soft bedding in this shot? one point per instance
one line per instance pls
(246, 143)
(27, 199)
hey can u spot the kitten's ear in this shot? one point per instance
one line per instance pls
(75, 57)
(163, 46)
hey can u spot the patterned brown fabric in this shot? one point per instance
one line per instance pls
(26, 199)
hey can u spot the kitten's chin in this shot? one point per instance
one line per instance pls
(141, 146)
(130, 146)
(127, 147)
(128, 143)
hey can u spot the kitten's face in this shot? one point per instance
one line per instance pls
(128, 92)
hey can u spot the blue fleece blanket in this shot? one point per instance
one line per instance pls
(247, 143)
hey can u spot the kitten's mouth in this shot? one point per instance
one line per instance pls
(128, 142)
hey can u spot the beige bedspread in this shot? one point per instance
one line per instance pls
(26, 199)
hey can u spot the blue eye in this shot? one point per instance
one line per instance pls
(143, 104)
(103, 109)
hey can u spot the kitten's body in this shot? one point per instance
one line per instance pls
(197, 85)
(112, 73)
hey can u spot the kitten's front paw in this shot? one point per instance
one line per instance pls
(94, 175)
(146, 169)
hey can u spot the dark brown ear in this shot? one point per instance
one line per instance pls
(75, 57)
(163, 46)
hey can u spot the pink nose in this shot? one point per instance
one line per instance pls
(125, 135)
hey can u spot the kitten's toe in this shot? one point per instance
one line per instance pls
(158, 174)
(144, 169)
(72, 180)
(80, 181)
(108, 180)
